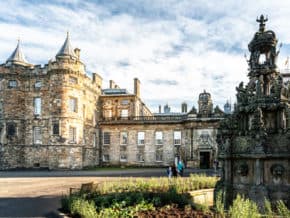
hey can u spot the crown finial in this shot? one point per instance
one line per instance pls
(262, 20)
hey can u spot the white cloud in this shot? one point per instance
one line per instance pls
(198, 44)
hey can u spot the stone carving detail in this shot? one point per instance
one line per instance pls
(243, 169)
(258, 129)
(277, 170)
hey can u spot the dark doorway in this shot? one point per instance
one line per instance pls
(204, 160)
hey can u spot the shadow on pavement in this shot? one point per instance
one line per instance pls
(43, 206)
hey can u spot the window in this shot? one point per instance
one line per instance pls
(140, 155)
(159, 154)
(124, 102)
(37, 137)
(124, 138)
(106, 158)
(11, 130)
(123, 154)
(12, 84)
(124, 113)
(177, 137)
(72, 135)
(73, 80)
(73, 105)
(141, 138)
(37, 106)
(123, 157)
(107, 138)
(37, 85)
(158, 138)
(55, 128)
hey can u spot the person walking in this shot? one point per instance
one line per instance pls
(169, 172)
(180, 168)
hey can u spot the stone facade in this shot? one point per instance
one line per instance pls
(166, 136)
(56, 116)
(39, 127)
(254, 141)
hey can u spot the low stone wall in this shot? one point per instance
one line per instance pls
(203, 196)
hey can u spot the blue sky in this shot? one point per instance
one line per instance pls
(177, 48)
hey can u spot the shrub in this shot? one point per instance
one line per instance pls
(219, 204)
(243, 208)
(282, 209)
(268, 209)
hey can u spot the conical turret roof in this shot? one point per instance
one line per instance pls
(66, 49)
(17, 57)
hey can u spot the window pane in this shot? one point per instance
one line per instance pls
(37, 106)
(107, 138)
(177, 137)
(11, 129)
(55, 128)
(37, 135)
(141, 138)
(159, 137)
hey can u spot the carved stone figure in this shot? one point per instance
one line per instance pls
(243, 169)
(277, 171)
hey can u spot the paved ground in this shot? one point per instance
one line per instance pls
(38, 193)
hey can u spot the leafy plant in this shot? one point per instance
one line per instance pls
(268, 209)
(243, 208)
(219, 204)
(282, 209)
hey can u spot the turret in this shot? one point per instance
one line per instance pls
(17, 57)
(67, 51)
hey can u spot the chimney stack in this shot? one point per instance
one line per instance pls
(112, 84)
(160, 109)
(184, 107)
(137, 87)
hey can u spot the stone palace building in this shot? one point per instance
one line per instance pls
(56, 116)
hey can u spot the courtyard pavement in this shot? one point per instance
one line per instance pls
(37, 193)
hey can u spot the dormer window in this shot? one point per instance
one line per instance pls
(12, 84)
